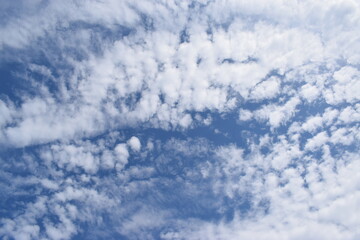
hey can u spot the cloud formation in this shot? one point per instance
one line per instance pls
(179, 119)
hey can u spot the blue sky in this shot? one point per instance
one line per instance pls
(179, 119)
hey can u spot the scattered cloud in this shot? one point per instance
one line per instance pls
(179, 120)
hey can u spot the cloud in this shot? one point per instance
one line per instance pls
(312, 124)
(309, 92)
(179, 120)
(277, 114)
(317, 141)
(305, 212)
(160, 83)
(266, 89)
(134, 143)
(245, 115)
(343, 89)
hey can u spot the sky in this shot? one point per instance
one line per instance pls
(180, 119)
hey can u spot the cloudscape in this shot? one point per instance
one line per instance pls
(180, 119)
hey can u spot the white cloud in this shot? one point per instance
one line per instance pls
(186, 121)
(126, 66)
(312, 124)
(283, 153)
(245, 115)
(187, 76)
(344, 89)
(108, 159)
(266, 89)
(134, 143)
(350, 114)
(310, 92)
(71, 156)
(317, 141)
(277, 114)
(330, 115)
(295, 212)
(122, 156)
(343, 136)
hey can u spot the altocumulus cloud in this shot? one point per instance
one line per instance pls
(179, 119)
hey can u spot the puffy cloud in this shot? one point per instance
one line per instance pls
(295, 212)
(350, 114)
(312, 124)
(277, 114)
(245, 115)
(317, 141)
(161, 83)
(344, 88)
(134, 143)
(248, 115)
(70, 157)
(266, 89)
(122, 156)
(309, 92)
